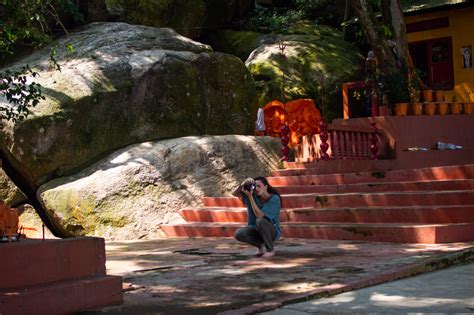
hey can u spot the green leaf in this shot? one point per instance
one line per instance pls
(70, 47)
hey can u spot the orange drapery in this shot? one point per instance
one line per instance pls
(301, 116)
(275, 117)
(303, 119)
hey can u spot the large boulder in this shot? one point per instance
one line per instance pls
(188, 18)
(315, 64)
(238, 43)
(131, 192)
(127, 84)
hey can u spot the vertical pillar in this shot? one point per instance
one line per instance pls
(345, 100)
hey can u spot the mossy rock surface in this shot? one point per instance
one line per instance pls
(317, 62)
(127, 84)
(238, 43)
(10, 195)
(128, 194)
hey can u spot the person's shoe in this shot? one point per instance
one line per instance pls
(269, 254)
(260, 251)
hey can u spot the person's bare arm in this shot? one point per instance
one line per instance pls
(256, 210)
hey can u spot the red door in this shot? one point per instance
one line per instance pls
(441, 63)
(434, 59)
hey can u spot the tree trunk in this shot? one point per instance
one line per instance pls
(388, 41)
(347, 14)
(24, 181)
(392, 15)
(375, 36)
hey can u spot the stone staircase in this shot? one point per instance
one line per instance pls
(56, 276)
(426, 205)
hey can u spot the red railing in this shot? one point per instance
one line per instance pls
(339, 142)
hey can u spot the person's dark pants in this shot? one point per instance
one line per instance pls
(263, 233)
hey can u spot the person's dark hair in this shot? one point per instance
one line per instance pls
(270, 188)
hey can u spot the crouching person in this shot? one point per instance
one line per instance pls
(263, 210)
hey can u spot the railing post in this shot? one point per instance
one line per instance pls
(332, 142)
(373, 142)
(284, 138)
(357, 141)
(324, 146)
(366, 146)
(339, 144)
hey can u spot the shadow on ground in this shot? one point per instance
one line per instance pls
(207, 276)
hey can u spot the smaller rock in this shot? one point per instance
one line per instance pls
(130, 193)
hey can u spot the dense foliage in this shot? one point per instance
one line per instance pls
(31, 23)
(27, 24)
(19, 93)
(278, 18)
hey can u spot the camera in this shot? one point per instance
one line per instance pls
(248, 187)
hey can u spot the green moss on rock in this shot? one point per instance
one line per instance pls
(79, 214)
(317, 61)
(238, 43)
(153, 85)
(9, 193)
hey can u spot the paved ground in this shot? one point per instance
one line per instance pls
(208, 276)
(443, 291)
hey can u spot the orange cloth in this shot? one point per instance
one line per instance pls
(275, 117)
(301, 115)
(303, 119)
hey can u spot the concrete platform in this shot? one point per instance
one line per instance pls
(55, 276)
(54, 260)
(447, 291)
(209, 276)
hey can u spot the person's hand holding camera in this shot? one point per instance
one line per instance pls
(248, 186)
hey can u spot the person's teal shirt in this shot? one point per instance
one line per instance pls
(271, 209)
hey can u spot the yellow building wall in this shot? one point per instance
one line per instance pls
(461, 29)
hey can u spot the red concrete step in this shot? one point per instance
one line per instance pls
(200, 229)
(293, 177)
(418, 198)
(62, 297)
(410, 214)
(343, 166)
(458, 184)
(214, 214)
(54, 260)
(398, 233)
